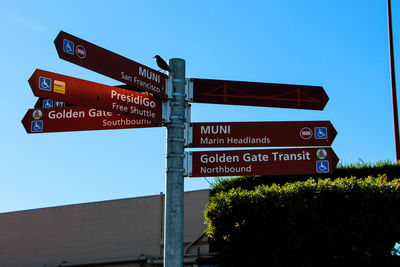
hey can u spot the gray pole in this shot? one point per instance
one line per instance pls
(173, 234)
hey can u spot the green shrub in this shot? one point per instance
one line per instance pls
(360, 170)
(309, 223)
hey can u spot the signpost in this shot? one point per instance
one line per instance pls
(71, 90)
(110, 64)
(72, 104)
(258, 94)
(261, 134)
(50, 103)
(174, 183)
(261, 162)
(66, 119)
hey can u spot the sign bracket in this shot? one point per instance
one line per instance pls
(187, 164)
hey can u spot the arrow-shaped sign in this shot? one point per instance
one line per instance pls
(262, 134)
(110, 64)
(261, 162)
(258, 94)
(80, 92)
(50, 103)
(78, 118)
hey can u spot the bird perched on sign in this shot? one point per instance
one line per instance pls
(162, 64)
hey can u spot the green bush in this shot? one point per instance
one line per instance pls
(317, 222)
(360, 170)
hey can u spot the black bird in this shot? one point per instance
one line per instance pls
(161, 63)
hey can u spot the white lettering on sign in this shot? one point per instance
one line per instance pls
(228, 140)
(93, 113)
(248, 140)
(66, 114)
(149, 74)
(212, 141)
(248, 157)
(146, 85)
(225, 169)
(145, 113)
(119, 107)
(138, 99)
(71, 114)
(217, 129)
(291, 156)
(205, 158)
(125, 122)
(126, 77)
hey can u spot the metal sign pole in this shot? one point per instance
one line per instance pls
(173, 223)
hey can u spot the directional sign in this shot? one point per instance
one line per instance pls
(95, 95)
(262, 134)
(259, 94)
(262, 162)
(77, 118)
(50, 103)
(103, 61)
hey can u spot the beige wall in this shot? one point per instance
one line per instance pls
(95, 231)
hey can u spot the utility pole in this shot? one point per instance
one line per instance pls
(393, 79)
(173, 223)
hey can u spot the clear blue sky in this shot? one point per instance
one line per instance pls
(341, 45)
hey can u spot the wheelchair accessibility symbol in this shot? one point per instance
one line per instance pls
(68, 46)
(45, 83)
(321, 133)
(36, 126)
(322, 166)
(47, 103)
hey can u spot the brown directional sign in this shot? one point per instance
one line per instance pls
(103, 61)
(262, 162)
(262, 134)
(78, 118)
(76, 91)
(50, 103)
(259, 94)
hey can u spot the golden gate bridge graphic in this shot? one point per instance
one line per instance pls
(296, 96)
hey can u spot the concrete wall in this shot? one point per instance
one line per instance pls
(116, 229)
